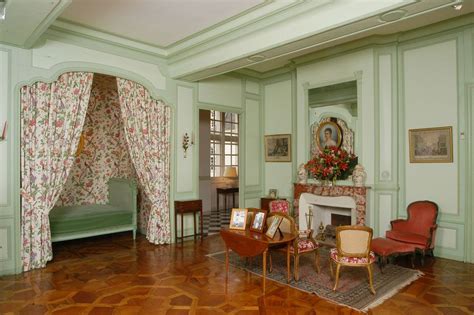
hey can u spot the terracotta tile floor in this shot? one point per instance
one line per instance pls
(114, 275)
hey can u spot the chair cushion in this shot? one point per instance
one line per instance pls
(281, 206)
(407, 237)
(333, 253)
(305, 245)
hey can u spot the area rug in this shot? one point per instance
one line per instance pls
(353, 289)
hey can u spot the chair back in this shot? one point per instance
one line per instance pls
(281, 206)
(421, 216)
(353, 240)
(287, 224)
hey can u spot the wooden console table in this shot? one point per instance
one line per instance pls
(183, 207)
(249, 244)
(225, 192)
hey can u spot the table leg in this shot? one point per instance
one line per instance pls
(233, 200)
(264, 272)
(182, 228)
(226, 261)
(200, 221)
(175, 226)
(225, 202)
(195, 229)
(288, 262)
(217, 201)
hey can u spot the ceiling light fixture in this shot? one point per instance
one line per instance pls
(2, 9)
(392, 15)
(457, 6)
(256, 58)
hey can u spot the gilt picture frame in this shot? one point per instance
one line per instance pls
(238, 219)
(431, 145)
(259, 220)
(329, 134)
(278, 148)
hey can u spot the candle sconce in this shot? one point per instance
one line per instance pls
(187, 143)
(4, 132)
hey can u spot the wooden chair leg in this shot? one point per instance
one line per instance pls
(316, 260)
(369, 268)
(297, 264)
(331, 269)
(338, 267)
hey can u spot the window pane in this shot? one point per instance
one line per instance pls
(235, 149)
(228, 148)
(217, 172)
(217, 160)
(227, 160)
(235, 160)
(217, 148)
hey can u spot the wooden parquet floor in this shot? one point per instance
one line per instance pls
(114, 275)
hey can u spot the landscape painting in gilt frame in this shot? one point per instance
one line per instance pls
(431, 145)
(278, 148)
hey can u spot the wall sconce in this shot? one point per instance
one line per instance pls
(187, 143)
(4, 132)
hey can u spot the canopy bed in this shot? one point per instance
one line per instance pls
(52, 122)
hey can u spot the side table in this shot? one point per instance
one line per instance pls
(225, 192)
(184, 207)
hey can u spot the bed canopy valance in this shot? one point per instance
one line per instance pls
(52, 119)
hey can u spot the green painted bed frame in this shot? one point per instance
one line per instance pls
(119, 215)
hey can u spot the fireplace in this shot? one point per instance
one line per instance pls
(340, 219)
(343, 200)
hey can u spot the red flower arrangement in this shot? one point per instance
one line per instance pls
(331, 163)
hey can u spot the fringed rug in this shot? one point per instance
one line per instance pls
(353, 289)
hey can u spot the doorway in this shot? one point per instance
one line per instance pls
(218, 167)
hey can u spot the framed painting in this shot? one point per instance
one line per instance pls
(329, 134)
(431, 145)
(278, 148)
(258, 222)
(274, 226)
(238, 219)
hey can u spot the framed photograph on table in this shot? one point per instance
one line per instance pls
(431, 145)
(278, 148)
(274, 226)
(238, 219)
(258, 222)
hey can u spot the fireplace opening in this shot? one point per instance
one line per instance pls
(340, 219)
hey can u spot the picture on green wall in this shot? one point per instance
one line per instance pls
(431, 145)
(278, 148)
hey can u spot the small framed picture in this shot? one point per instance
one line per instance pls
(278, 148)
(273, 193)
(431, 145)
(258, 222)
(274, 226)
(238, 219)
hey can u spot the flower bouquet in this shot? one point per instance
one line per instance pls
(331, 164)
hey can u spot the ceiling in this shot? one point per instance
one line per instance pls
(155, 22)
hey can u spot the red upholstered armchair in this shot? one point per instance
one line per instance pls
(419, 228)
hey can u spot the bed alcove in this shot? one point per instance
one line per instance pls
(125, 137)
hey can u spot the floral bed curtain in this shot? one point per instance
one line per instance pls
(147, 129)
(52, 117)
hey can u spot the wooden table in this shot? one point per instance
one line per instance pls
(183, 207)
(249, 244)
(225, 192)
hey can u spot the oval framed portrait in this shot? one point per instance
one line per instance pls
(329, 134)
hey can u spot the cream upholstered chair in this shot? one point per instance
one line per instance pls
(301, 245)
(353, 250)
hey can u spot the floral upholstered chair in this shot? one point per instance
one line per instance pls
(352, 250)
(303, 244)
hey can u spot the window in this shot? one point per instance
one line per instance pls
(224, 148)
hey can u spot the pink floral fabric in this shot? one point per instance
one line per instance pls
(334, 254)
(305, 245)
(52, 116)
(281, 206)
(147, 130)
(105, 152)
